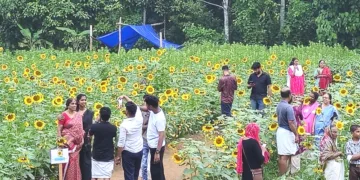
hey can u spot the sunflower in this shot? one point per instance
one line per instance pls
(301, 130)
(207, 128)
(305, 68)
(168, 92)
(53, 57)
(95, 56)
(275, 88)
(4, 67)
(159, 52)
(273, 126)
(171, 69)
(98, 106)
(219, 141)
(107, 55)
(177, 158)
(307, 62)
(10, 117)
(282, 63)
(269, 63)
(197, 91)
(234, 153)
(266, 101)
(103, 89)
(274, 117)
(241, 131)
(210, 78)
(350, 111)
(122, 79)
(61, 141)
(339, 125)
(197, 60)
(117, 123)
(37, 73)
(307, 145)
(343, 92)
(136, 85)
(273, 57)
(26, 124)
(150, 77)
(185, 97)
(318, 111)
(203, 92)
(208, 64)
(241, 93)
(1, 49)
(39, 124)
(43, 56)
(231, 165)
(23, 159)
(78, 64)
(28, 100)
(36, 98)
(239, 81)
(337, 77)
(86, 65)
(349, 73)
(315, 89)
(6, 79)
(134, 93)
(337, 105)
(130, 67)
(350, 105)
(150, 89)
(89, 89)
(140, 58)
(20, 58)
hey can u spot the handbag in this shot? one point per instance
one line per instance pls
(257, 174)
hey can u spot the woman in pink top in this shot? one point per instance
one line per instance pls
(308, 112)
(296, 79)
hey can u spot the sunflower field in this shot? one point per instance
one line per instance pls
(34, 86)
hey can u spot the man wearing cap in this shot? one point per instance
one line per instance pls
(227, 85)
(259, 82)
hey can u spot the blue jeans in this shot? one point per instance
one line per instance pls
(131, 164)
(226, 108)
(144, 161)
(257, 104)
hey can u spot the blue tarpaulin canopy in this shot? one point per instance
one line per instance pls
(131, 34)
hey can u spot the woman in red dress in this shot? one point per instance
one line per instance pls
(322, 76)
(71, 128)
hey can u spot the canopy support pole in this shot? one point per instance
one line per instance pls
(161, 40)
(91, 40)
(119, 35)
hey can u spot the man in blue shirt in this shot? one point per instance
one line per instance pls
(286, 135)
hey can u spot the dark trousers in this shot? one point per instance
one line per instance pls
(85, 162)
(157, 170)
(354, 172)
(226, 108)
(131, 164)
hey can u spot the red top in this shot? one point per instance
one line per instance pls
(325, 81)
(65, 120)
(227, 85)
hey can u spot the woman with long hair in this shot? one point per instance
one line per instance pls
(296, 77)
(330, 155)
(326, 113)
(71, 128)
(322, 76)
(308, 112)
(87, 119)
(251, 154)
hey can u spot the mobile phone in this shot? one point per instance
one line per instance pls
(120, 101)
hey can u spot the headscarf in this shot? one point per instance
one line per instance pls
(327, 146)
(252, 131)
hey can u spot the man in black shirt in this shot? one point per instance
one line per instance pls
(259, 82)
(103, 147)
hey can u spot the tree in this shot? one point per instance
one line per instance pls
(32, 40)
(75, 38)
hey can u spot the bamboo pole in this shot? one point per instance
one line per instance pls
(119, 35)
(161, 40)
(60, 172)
(91, 40)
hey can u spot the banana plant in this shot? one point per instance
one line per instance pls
(75, 38)
(32, 40)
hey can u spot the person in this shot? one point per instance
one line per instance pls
(296, 78)
(286, 135)
(130, 143)
(308, 112)
(156, 137)
(322, 76)
(70, 127)
(325, 117)
(330, 156)
(352, 150)
(85, 153)
(227, 85)
(103, 148)
(145, 164)
(251, 154)
(259, 82)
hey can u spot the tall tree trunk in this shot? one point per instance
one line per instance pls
(226, 20)
(282, 14)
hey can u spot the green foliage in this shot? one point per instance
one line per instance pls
(198, 35)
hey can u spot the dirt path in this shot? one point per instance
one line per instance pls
(172, 170)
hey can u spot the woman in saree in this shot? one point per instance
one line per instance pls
(322, 76)
(330, 156)
(296, 78)
(70, 127)
(308, 112)
(324, 117)
(251, 154)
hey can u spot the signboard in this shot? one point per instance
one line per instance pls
(59, 156)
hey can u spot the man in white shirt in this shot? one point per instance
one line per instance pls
(130, 143)
(156, 137)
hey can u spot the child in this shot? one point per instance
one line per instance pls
(103, 147)
(353, 153)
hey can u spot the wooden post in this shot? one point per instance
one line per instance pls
(60, 172)
(161, 41)
(119, 35)
(91, 34)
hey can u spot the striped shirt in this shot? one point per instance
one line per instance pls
(352, 148)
